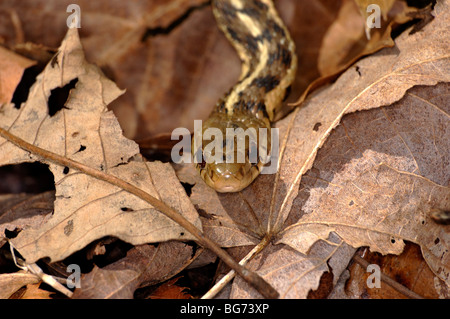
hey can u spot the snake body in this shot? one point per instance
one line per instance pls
(269, 64)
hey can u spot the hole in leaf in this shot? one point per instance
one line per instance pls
(188, 188)
(66, 170)
(58, 97)
(10, 234)
(23, 88)
(126, 209)
(436, 241)
(82, 148)
(317, 126)
(26, 178)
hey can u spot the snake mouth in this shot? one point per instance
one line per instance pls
(227, 178)
(231, 155)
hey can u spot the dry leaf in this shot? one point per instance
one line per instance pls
(144, 265)
(377, 177)
(25, 210)
(112, 32)
(345, 40)
(170, 291)
(366, 8)
(408, 269)
(10, 283)
(380, 171)
(12, 67)
(34, 291)
(83, 130)
(382, 79)
(294, 274)
(106, 24)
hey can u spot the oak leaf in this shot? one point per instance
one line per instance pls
(82, 129)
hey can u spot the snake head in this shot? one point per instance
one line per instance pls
(233, 150)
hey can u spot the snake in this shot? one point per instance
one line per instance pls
(268, 67)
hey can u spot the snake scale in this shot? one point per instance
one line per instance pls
(269, 64)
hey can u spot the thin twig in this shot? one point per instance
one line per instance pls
(230, 275)
(389, 281)
(49, 280)
(251, 277)
(37, 271)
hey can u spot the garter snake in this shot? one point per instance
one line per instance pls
(269, 63)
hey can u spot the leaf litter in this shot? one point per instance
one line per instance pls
(317, 215)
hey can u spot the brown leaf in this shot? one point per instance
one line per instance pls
(162, 95)
(294, 274)
(376, 179)
(25, 210)
(169, 290)
(345, 41)
(144, 265)
(102, 21)
(83, 130)
(34, 291)
(408, 269)
(416, 59)
(12, 67)
(10, 283)
(366, 11)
